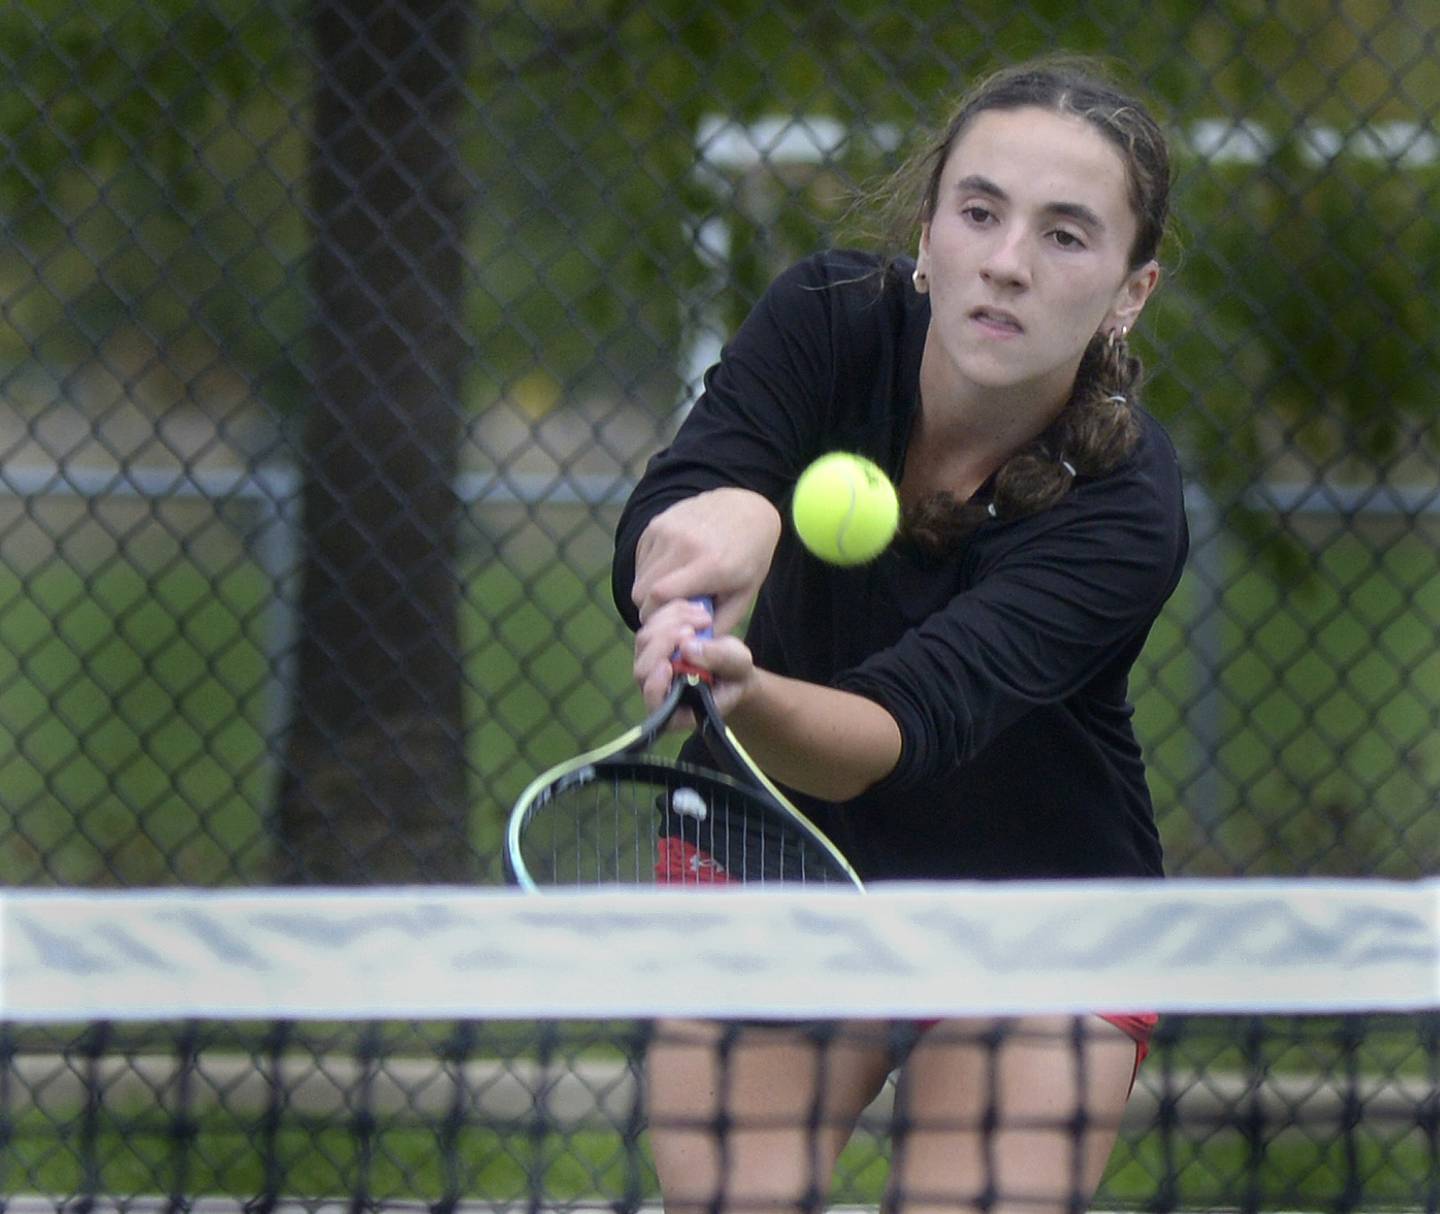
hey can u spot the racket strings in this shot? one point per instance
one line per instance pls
(633, 823)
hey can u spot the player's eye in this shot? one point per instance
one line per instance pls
(1067, 240)
(976, 213)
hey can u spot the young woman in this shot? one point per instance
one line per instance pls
(958, 708)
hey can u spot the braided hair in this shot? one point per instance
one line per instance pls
(1092, 436)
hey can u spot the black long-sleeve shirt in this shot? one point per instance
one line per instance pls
(1005, 662)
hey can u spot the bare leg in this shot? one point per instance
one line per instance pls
(753, 1119)
(1008, 1116)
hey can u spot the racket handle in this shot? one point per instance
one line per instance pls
(679, 664)
(708, 602)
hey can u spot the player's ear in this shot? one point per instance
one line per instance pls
(1130, 299)
(921, 277)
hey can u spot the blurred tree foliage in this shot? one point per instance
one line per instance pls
(151, 154)
(154, 150)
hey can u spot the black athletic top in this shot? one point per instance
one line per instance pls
(1005, 662)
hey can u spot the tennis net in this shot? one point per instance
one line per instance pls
(482, 1050)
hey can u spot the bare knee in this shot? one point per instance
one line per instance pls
(752, 1118)
(1009, 1117)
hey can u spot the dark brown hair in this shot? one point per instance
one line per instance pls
(1097, 428)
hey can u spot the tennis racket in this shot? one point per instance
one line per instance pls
(624, 815)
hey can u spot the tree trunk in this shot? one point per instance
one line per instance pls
(374, 789)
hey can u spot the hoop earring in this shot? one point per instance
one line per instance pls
(921, 282)
(1116, 338)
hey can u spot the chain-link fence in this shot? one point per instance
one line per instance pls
(333, 335)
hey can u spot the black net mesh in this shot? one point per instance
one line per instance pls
(333, 336)
(1274, 1113)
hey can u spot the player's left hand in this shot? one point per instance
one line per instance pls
(674, 629)
(730, 662)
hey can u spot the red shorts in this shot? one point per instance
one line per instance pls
(1138, 1026)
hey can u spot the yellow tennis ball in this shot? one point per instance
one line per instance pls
(845, 509)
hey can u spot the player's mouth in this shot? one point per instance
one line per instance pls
(997, 320)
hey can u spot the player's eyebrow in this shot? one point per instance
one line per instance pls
(977, 183)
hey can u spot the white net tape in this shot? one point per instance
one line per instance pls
(900, 950)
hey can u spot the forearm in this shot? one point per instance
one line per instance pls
(828, 743)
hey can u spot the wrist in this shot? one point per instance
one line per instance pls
(748, 713)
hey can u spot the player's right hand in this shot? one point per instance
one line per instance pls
(719, 543)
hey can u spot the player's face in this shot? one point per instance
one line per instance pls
(1027, 253)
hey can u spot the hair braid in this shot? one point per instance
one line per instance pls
(1094, 433)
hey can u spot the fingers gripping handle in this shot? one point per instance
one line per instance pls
(679, 664)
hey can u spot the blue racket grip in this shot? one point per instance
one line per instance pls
(708, 602)
(679, 664)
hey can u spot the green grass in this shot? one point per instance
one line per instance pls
(131, 724)
(127, 1156)
(1324, 717)
(548, 674)
(136, 702)
(128, 1153)
(1288, 1169)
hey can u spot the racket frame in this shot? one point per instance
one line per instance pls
(689, 690)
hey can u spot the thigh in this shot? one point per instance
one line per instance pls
(755, 1117)
(1009, 1115)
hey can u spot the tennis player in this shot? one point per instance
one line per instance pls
(957, 708)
